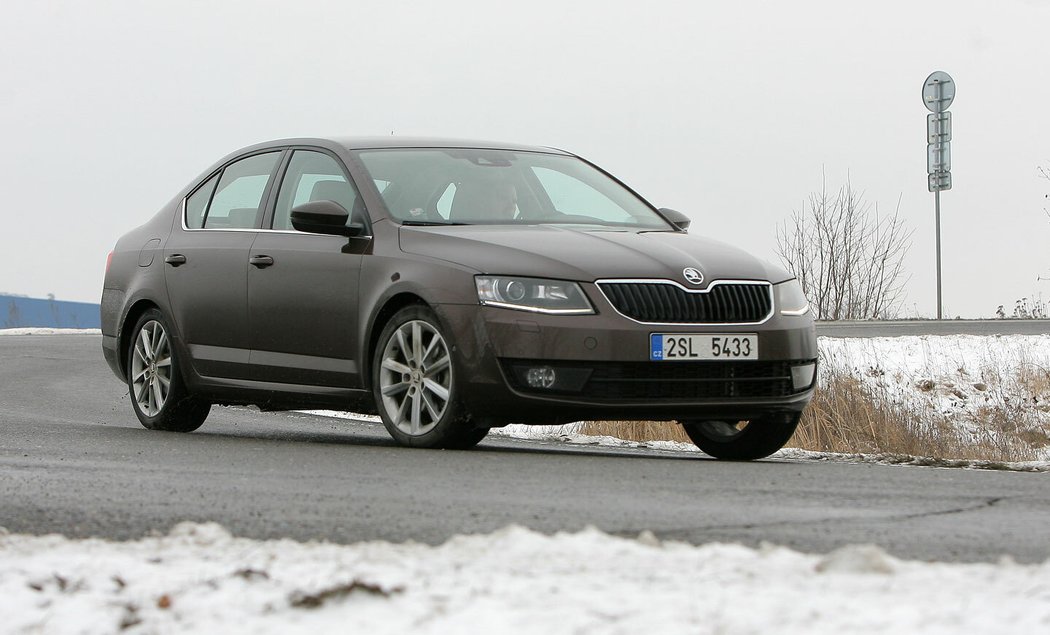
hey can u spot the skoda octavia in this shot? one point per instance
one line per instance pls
(450, 287)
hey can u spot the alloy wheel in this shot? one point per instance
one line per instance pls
(151, 368)
(415, 377)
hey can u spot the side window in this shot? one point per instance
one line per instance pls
(312, 176)
(198, 202)
(572, 196)
(238, 196)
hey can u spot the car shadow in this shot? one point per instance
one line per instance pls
(490, 445)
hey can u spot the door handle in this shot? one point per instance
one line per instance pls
(260, 261)
(175, 260)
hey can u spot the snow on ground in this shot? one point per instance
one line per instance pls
(199, 578)
(983, 386)
(49, 331)
(952, 374)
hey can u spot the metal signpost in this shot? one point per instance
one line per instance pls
(938, 92)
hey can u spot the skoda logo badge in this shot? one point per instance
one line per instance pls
(692, 276)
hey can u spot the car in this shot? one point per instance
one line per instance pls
(451, 287)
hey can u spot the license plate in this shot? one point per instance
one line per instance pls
(669, 347)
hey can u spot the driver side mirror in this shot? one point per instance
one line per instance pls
(676, 218)
(324, 217)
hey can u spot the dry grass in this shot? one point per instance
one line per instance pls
(849, 415)
(636, 430)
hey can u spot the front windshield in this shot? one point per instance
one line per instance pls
(500, 187)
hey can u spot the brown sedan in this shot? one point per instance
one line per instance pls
(451, 287)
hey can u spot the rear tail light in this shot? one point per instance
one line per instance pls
(109, 260)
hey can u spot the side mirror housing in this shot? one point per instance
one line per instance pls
(324, 217)
(676, 218)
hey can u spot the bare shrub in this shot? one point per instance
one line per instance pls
(848, 259)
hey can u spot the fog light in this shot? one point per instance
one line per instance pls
(802, 376)
(540, 377)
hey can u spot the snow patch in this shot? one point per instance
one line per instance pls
(201, 578)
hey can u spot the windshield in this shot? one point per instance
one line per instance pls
(449, 186)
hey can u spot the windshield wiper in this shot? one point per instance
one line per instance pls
(427, 223)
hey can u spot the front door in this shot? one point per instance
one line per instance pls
(303, 288)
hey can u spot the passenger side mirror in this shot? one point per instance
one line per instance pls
(676, 218)
(324, 217)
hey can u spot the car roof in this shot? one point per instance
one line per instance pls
(370, 143)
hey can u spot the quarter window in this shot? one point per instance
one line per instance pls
(197, 203)
(238, 198)
(313, 176)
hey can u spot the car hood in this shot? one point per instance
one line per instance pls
(585, 253)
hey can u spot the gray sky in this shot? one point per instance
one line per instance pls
(725, 111)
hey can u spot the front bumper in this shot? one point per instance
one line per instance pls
(606, 357)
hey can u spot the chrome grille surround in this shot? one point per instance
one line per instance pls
(667, 302)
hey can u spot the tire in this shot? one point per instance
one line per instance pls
(159, 396)
(758, 438)
(414, 382)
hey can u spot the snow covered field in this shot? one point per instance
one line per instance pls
(990, 390)
(958, 374)
(198, 578)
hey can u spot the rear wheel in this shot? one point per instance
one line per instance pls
(414, 384)
(158, 394)
(742, 440)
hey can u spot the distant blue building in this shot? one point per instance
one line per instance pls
(17, 312)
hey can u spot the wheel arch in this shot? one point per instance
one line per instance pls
(125, 336)
(391, 306)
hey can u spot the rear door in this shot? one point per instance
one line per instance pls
(206, 264)
(303, 289)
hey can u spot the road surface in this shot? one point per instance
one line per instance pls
(74, 460)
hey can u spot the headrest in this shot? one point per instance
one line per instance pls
(483, 201)
(338, 191)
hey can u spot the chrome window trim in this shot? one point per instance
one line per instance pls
(257, 230)
(713, 284)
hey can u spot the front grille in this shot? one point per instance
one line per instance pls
(667, 303)
(684, 381)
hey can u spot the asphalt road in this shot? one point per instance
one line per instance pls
(74, 460)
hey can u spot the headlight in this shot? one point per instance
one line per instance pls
(790, 299)
(538, 295)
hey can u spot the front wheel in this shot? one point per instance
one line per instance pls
(414, 383)
(742, 440)
(158, 394)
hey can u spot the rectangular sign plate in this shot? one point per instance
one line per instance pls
(940, 181)
(939, 157)
(939, 127)
(670, 347)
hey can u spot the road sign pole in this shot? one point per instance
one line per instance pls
(937, 206)
(937, 213)
(938, 92)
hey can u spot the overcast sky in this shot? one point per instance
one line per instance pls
(728, 112)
